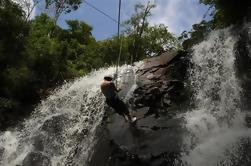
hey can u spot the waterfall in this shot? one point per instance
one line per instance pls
(215, 124)
(61, 130)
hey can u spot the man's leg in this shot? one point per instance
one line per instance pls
(120, 107)
(128, 116)
(125, 117)
(124, 110)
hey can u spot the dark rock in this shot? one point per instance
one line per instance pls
(36, 159)
(38, 142)
(1, 152)
(51, 138)
(155, 138)
(146, 144)
(242, 154)
(160, 76)
(248, 121)
(55, 125)
(166, 101)
(243, 62)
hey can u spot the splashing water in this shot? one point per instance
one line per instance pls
(216, 125)
(61, 130)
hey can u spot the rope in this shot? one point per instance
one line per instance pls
(118, 23)
(100, 11)
(120, 48)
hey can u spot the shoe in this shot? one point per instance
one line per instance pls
(133, 119)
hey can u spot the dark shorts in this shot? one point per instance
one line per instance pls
(118, 105)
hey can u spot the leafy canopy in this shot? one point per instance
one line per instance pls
(62, 6)
(144, 39)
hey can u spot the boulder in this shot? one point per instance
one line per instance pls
(160, 81)
(55, 124)
(243, 61)
(155, 138)
(36, 159)
(1, 152)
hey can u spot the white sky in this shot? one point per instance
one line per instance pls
(24, 3)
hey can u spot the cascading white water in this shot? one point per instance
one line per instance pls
(61, 130)
(216, 125)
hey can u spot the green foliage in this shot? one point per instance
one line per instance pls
(138, 21)
(37, 55)
(225, 13)
(136, 26)
(63, 51)
(62, 6)
(43, 48)
(13, 32)
(196, 35)
(228, 12)
(80, 31)
(28, 6)
(145, 40)
(109, 50)
(157, 39)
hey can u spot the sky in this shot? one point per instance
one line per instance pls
(178, 15)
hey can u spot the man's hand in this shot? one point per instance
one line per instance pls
(114, 87)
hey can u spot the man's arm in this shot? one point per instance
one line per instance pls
(114, 87)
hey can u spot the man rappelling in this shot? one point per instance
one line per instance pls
(110, 91)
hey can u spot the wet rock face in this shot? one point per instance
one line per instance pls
(151, 142)
(36, 159)
(155, 139)
(161, 82)
(243, 62)
(54, 125)
(1, 152)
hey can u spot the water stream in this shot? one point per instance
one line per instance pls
(216, 124)
(62, 129)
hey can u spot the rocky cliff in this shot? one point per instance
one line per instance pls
(155, 138)
(243, 65)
